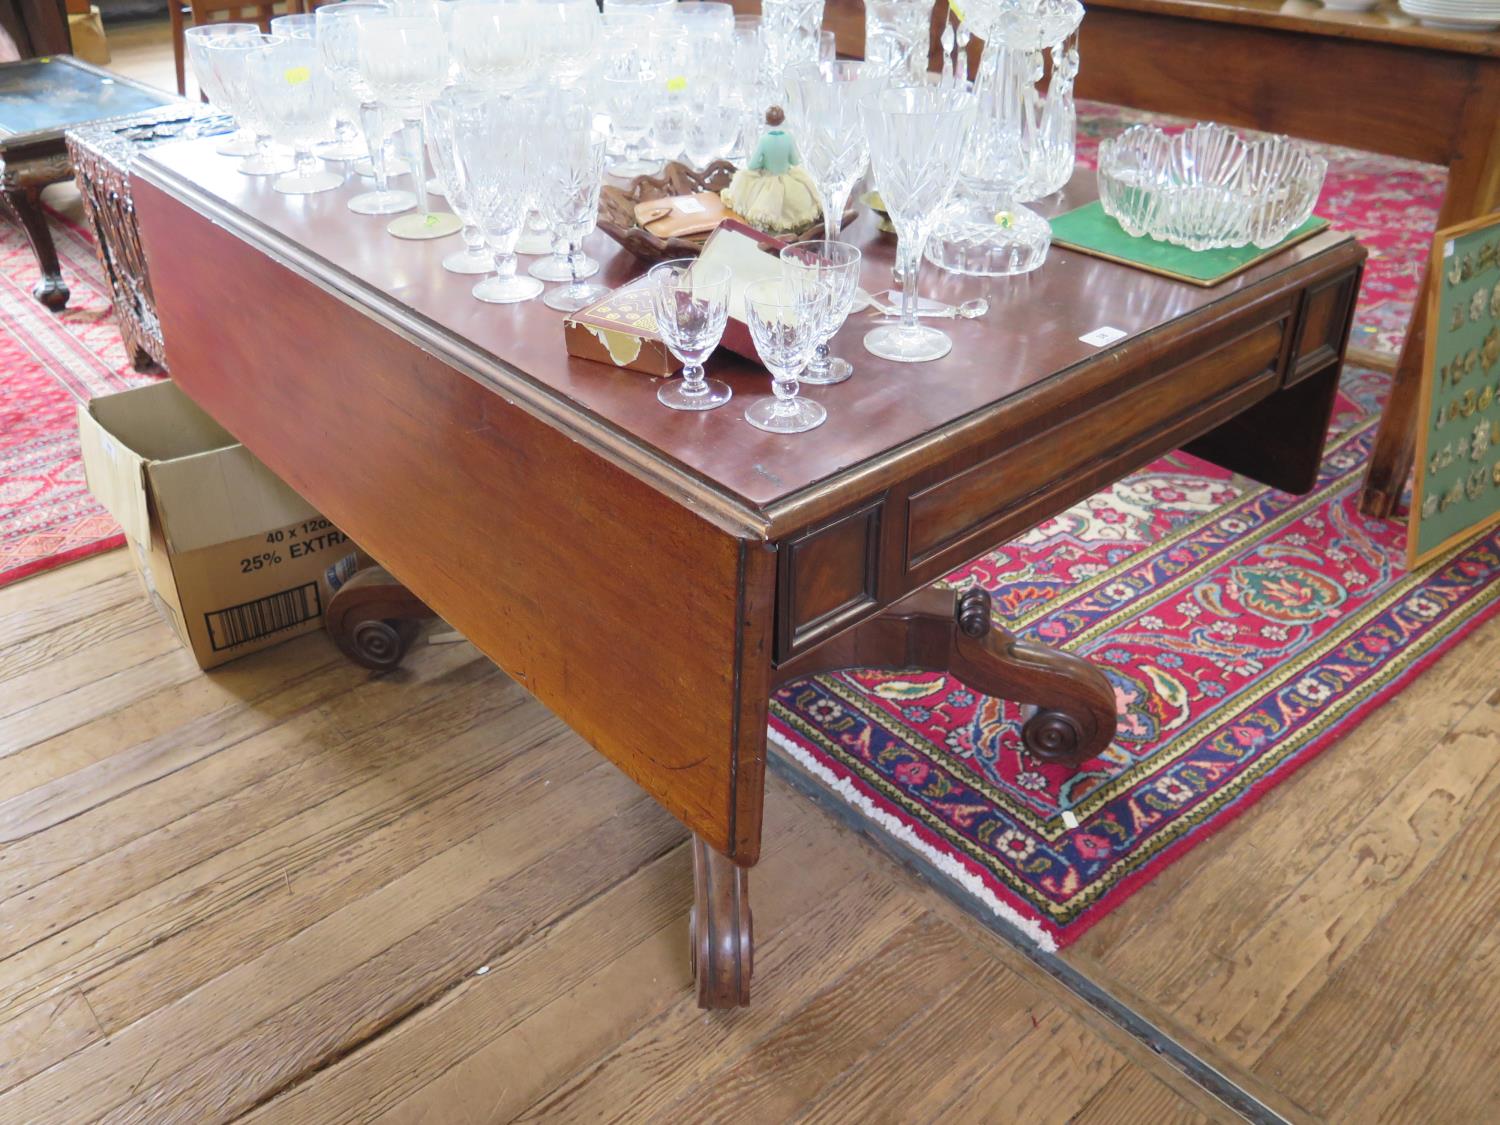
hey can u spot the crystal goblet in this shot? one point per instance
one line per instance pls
(630, 94)
(296, 101)
(834, 266)
(691, 302)
(404, 60)
(572, 154)
(338, 41)
(916, 137)
(497, 166)
(444, 114)
(230, 59)
(785, 315)
(197, 39)
(823, 102)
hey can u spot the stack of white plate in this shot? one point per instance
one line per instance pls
(1455, 15)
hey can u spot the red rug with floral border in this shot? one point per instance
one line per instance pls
(1245, 631)
(48, 363)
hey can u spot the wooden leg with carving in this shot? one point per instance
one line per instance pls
(1075, 715)
(373, 618)
(24, 204)
(720, 939)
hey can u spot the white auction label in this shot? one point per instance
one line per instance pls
(1101, 336)
(690, 206)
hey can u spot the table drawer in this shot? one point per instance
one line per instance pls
(947, 515)
(1326, 312)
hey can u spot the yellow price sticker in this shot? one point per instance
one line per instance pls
(296, 75)
(677, 85)
(956, 10)
(431, 220)
(1004, 220)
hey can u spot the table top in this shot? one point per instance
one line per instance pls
(41, 98)
(887, 410)
(1385, 23)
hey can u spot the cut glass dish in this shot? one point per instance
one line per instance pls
(1208, 187)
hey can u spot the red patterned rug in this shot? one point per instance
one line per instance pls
(48, 362)
(1245, 630)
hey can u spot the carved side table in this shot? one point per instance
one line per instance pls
(39, 99)
(101, 154)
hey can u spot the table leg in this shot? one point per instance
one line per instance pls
(720, 937)
(1074, 712)
(24, 204)
(373, 618)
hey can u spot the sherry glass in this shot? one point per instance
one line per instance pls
(834, 266)
(824, 102)
(297, 102)
(242, 141)
(691, 302)
(566, 35)
(791, 29)
(230, 59)
(497, 142)
(444, 113)
(339, 27)
(405, 61)
(630, 95)
(573, 170)
(298, 25)
(712, 128)
(917, 136)
(786, 315)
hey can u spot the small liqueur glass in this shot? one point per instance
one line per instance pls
(691, 303)
(230, 59)
(443, 116)
(197, 39)
(785, 315)
(296, 101)
(917, 137)
(834, 266)
(712, 129)
(339, 27)
(497, 165)
(573, 169)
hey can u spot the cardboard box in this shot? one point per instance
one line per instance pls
(620, 329)
(232, 557)
(87, 33)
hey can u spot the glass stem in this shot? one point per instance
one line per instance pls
(836, 204)
(305, 163)
(473, 238)
(505, 266)
(693, 382)
(411, 136)
(575, 264)
(369, 118)
(910, 253)
(819, 364)
(785, 389)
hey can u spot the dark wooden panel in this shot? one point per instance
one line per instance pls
(1345, 92)
(828, 578)
(1327, 313)
(956, 509)
(540, 550)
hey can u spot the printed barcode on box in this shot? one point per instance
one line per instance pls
(250, 621)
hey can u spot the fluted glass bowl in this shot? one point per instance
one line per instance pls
(1208, 187)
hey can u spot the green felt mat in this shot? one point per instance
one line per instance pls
(1090, 230)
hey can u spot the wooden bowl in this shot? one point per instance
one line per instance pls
(617, 210)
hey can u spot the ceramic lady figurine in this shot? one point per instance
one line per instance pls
(771, 191)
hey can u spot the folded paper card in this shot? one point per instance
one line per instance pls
(750, 255)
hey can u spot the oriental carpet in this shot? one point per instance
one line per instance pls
(49, 362)
(1244, 630)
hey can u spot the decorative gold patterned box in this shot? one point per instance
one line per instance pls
(621, 330)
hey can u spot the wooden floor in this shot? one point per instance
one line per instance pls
(295, 890)
(301, 891)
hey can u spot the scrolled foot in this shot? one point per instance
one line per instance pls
(373, 619)
(720, 937)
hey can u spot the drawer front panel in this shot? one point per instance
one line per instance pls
(1326, 312)
(828, 579)
(943, 514)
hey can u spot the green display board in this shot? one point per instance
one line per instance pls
(1458, 438)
